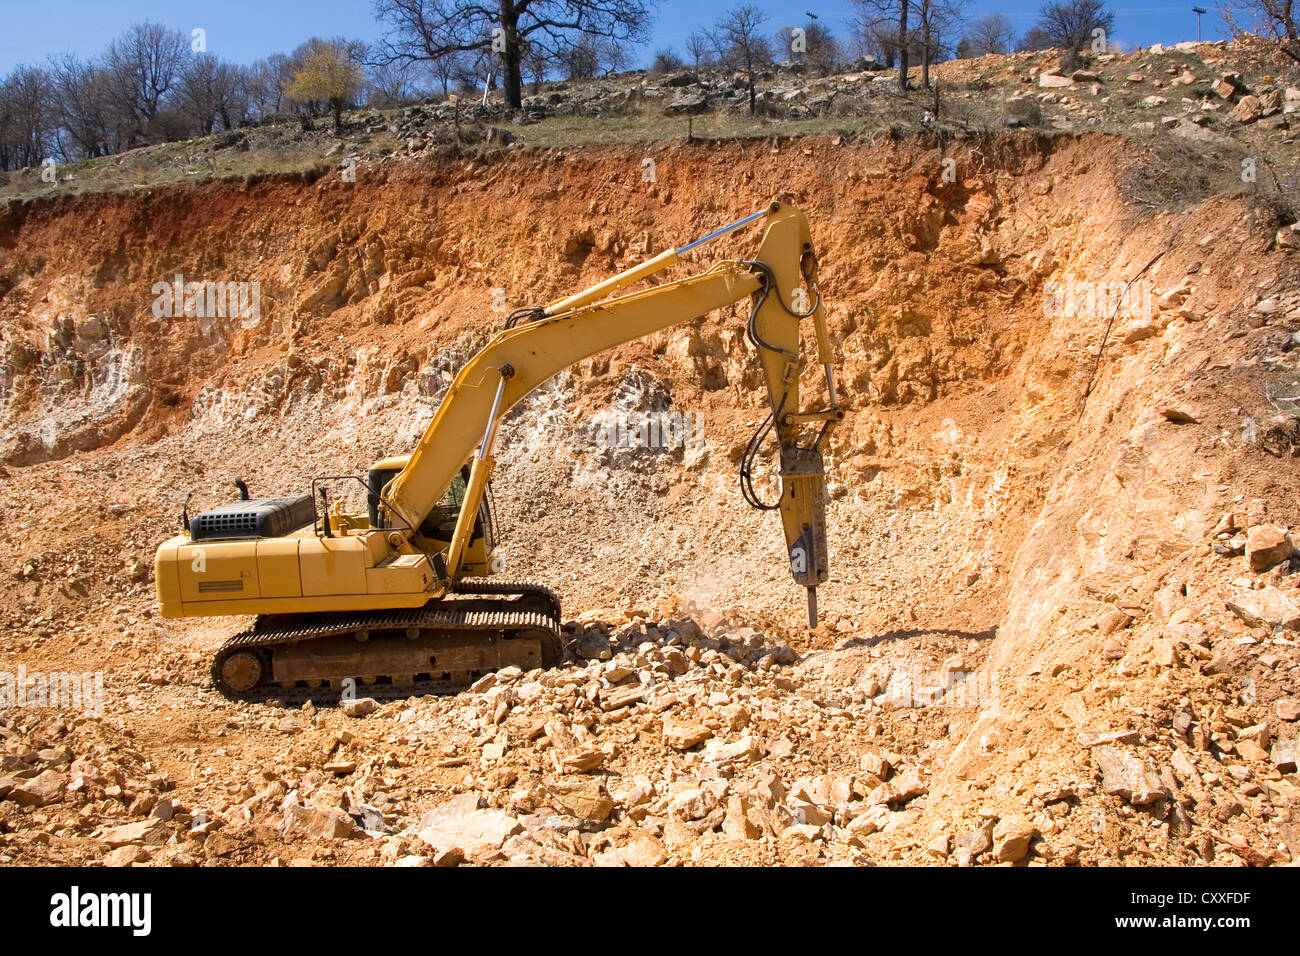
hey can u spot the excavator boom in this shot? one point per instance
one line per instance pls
(521, 358)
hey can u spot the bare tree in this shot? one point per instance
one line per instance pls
(591, 56)
(210, 91)
(876, 38)
(666, 61)
(877, 19)
(28, 117)
(934, 19)
(421, 30)
(388, 84)
(699, 47)
(1070, 25)
(741, 45)
(88, 123)
(1034, 40)
(811, 44)
(446, 70)
(536, 65)
(1276, 19)
(991, 34)
(144, 65)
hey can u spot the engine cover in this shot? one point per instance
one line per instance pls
(253, 518)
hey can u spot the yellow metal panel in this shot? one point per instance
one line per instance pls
(165, 575)
(217, 570)
(277, 567)
(333, 565)
(408, 573)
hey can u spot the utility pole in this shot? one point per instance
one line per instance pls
(1198, 11)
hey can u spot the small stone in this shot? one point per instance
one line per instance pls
(460, 823)
(125, 856)
(322, 823)
(453, 856)
(1266, 546)
(906, 786)
(1265, 607)
(1226, 86)
(359, 706)
(1258, 733)
(869, 821)
(291, 724)
(1113, 621)
(1249, 750)
(583, 759)
(641, 849)
(588, 801)
(1288, 708)
(737, 824)
(1093, 739)
(1011, 839)
(1179, 415)
(219, 843)
(1248, 109)
(681, 735)
(875, 765)
(1284, 756)
(692, 804)
(1054, 81)
(615, 698)
(144, 832)
(44, 789)
(1128, 776)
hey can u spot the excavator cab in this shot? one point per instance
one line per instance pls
(440, 523)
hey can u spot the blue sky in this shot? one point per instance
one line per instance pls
(246, 30)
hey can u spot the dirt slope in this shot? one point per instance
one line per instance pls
(1013, 505)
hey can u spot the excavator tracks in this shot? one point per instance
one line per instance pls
(479, 626)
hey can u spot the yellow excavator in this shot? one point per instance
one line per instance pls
(396, 600)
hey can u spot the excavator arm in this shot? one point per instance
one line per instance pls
(782, 284)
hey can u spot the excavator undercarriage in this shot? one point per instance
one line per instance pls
(449, 643)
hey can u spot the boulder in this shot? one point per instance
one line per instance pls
(1011, 839)
(359, 707)
(1128, 776)
(1265, 607)
(461, 824)
(1248, 109)
(1266, 546)
(683, 735)
(142, 833)
(45, 788)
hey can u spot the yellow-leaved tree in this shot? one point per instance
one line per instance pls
(328, 74)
